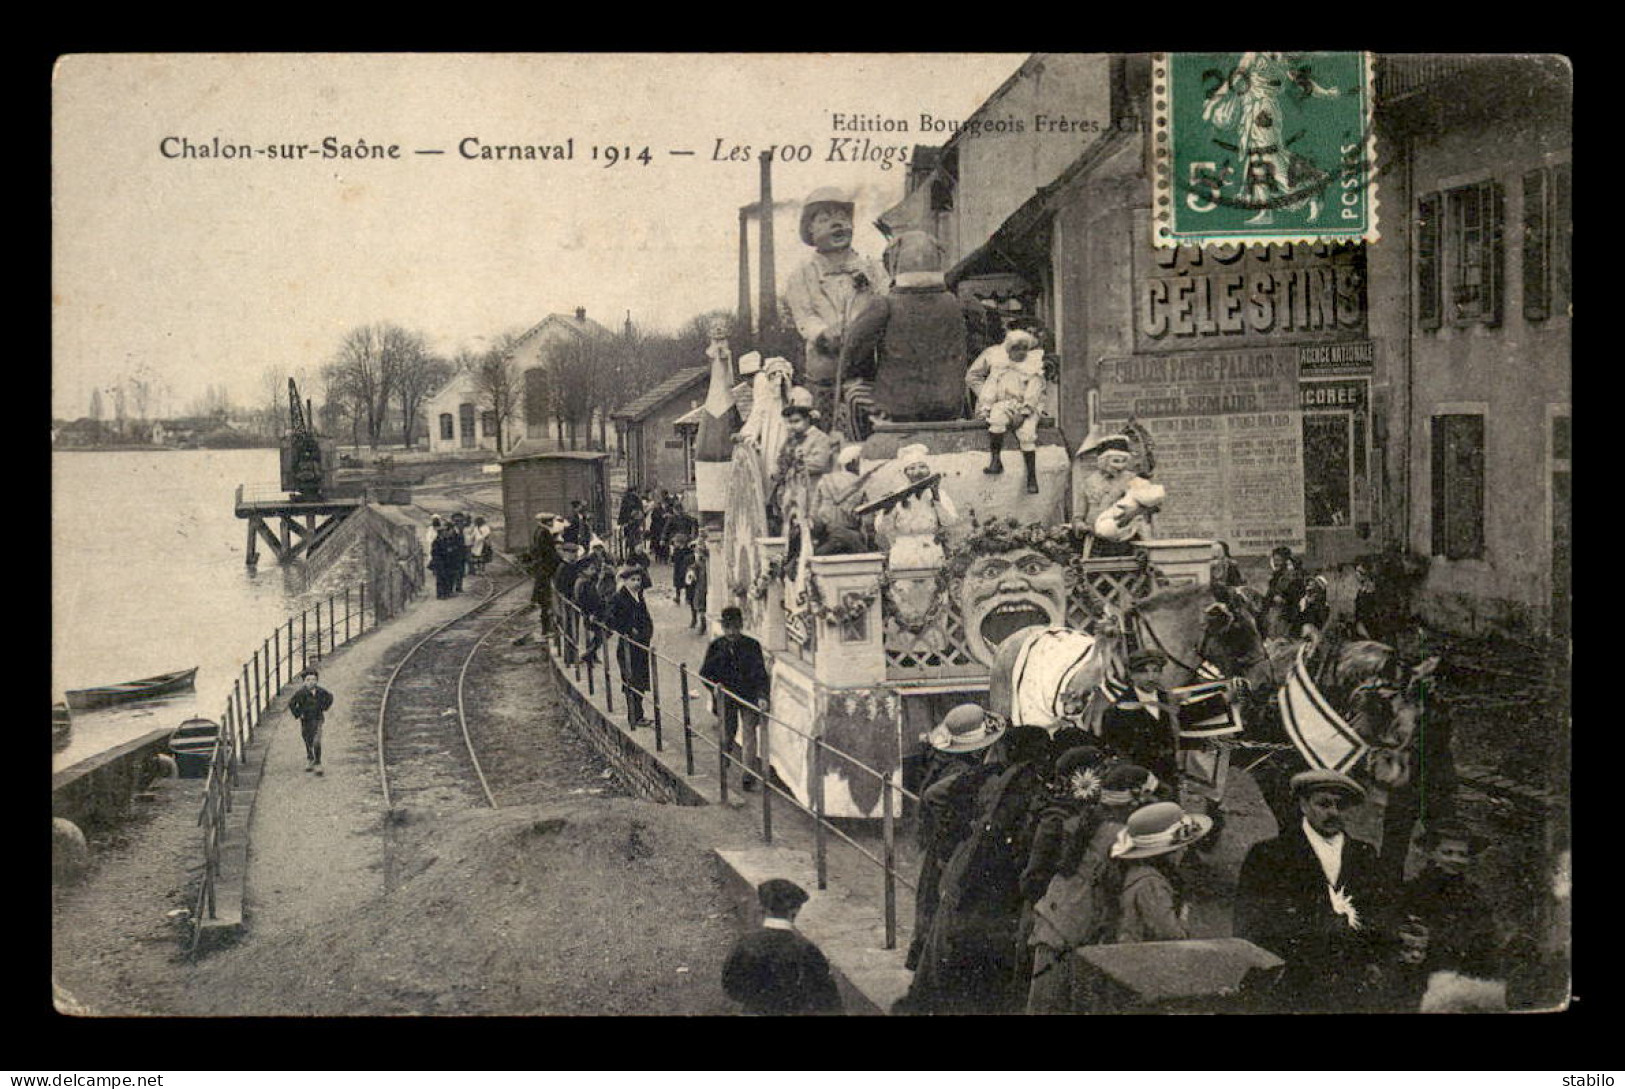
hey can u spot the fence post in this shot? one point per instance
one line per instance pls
(258, 706)
(816, 781)
(304, 639)
(688, 725)
(276, 653)
(654, 696)
(578, 624)
(889, 831)
(761, 776)
(363, 609)
(237, 692)
(719, 712)
(318, 630)
(603, 656)
(346, 614)
(247, 696)
(290, 648)
(332, 625)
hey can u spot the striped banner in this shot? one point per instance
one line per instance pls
(1319, 732)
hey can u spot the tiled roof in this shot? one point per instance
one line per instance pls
(675, 383)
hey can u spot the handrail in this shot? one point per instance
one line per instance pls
(255, 687)
(569, 618)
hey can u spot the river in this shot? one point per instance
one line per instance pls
(147, 576)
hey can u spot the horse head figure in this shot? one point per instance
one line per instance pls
(1049, 676)
(1206, 622)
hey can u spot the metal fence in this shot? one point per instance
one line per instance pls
(281, 657)
(576, 637)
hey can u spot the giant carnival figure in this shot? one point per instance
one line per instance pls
(904, 353)
(828, 292)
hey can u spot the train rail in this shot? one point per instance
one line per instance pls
(424, 749)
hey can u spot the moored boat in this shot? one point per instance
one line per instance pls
(164, 684)
(192, 744)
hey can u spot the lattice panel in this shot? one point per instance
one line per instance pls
(938, 650)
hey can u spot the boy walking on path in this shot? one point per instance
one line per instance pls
(309, 705)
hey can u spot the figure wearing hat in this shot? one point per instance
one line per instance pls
(544, 564)
(1106, 482)
(806, 455)
(1143, 726)
(1080, 904)
(954, 747)
(571, 563)
(1007, 381)
(775, 970)
(1149, 849)
(310, 706)
(914, 517)
(627, 615)
(1314, 897)
(829, 290)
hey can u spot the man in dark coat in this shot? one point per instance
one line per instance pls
(775, 970)
(446, 559)
(734, 662)
(972, 962)
(955, 746)
(630, 519)
(658, 513)
(310, 706)
(627, 615)
(1311, 896)
(571, 563)
(593, 588)
(1143, 727)
(680, 531)
(544, 564)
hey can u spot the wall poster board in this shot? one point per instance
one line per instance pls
(1228, 429)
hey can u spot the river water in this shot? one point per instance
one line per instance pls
(147, 576)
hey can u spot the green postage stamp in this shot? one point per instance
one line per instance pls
(1263, 147)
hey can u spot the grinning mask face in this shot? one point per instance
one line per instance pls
(1005, 592)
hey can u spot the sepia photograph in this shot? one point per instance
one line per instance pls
(868, 534)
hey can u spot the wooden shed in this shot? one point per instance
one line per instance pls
(532, 483)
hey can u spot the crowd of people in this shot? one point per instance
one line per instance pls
(457, 546)
(1035, 848)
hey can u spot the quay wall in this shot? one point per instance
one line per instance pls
(96, 793)
(637, 767)
(392, 550)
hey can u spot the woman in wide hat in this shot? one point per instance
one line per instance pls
(1150, 848)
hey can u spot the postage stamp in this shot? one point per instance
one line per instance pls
(1263, 147)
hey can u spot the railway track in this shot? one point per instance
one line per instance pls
(426, 758)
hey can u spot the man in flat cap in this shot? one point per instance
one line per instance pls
(829, 290)
(775, 970)
(1312, 896)
(544, 564)
(627, 615)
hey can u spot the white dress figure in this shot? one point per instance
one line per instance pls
(770, 392)
(911, 526)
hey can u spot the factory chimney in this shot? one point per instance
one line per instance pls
(768, 314)
(744, 271)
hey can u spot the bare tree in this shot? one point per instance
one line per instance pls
(498, 386)
(420, 375)
(577, 367)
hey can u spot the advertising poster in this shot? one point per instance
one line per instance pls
(1229, 441)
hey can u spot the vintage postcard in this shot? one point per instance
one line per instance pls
(704, 534)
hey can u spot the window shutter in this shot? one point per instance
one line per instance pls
(1428, 308)
(1562, 235)
(1493, 211)
(1537, 299)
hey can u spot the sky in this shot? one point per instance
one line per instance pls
(204, 271)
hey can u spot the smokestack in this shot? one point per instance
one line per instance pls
(744, 270)
(768, 318)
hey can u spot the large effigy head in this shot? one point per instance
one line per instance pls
(1011, 579)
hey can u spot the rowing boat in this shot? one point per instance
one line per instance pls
(193, 744)
(86, 699)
